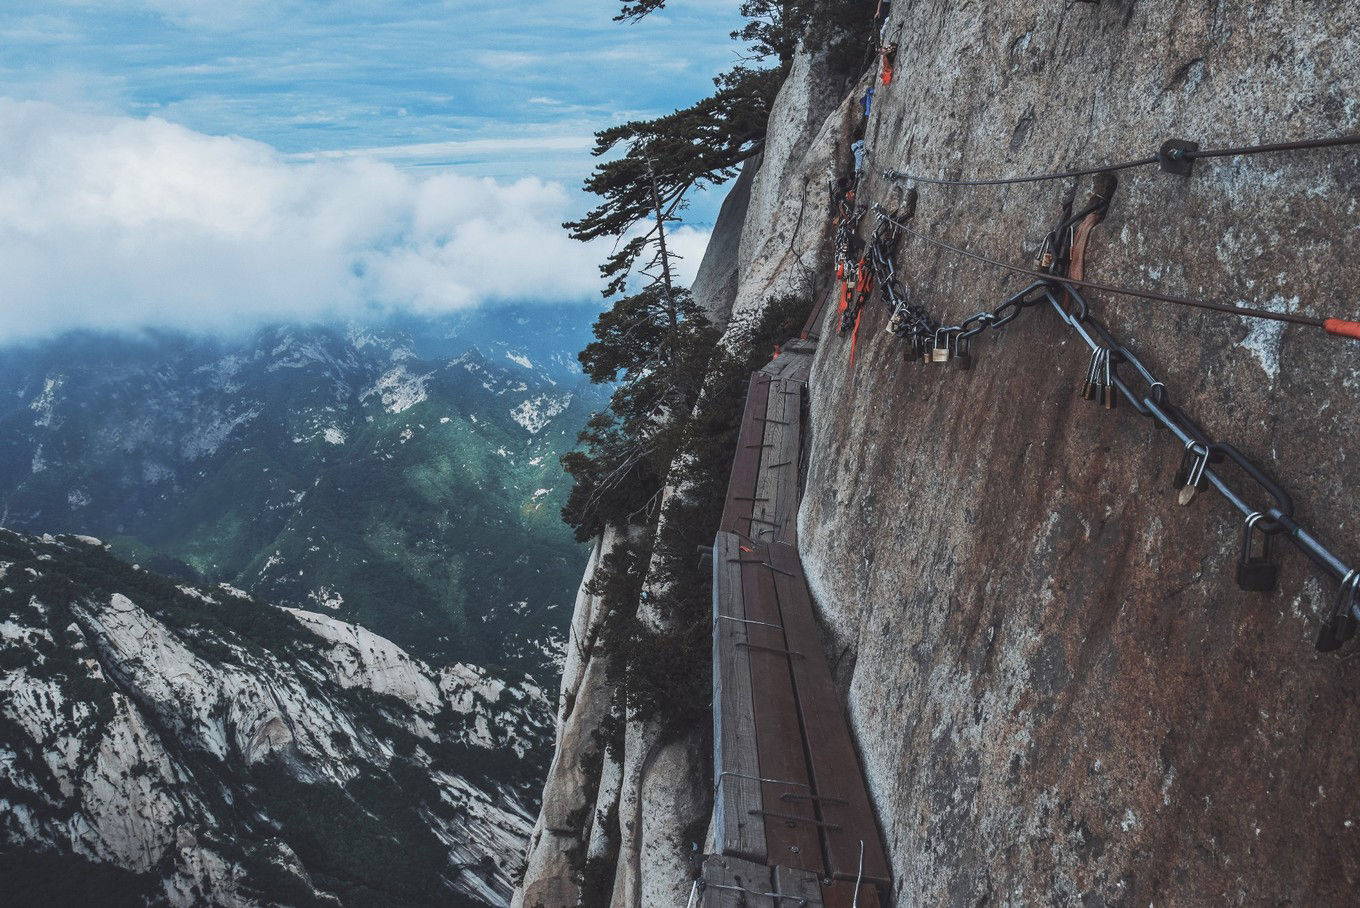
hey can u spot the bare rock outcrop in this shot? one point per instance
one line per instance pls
(573, 796)
(1061, 695)
(786, 229)
(172, 732)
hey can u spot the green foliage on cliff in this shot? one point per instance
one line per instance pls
(657, 346)
(655, 341)
(674, 415)
(663, 675)
(774, 27)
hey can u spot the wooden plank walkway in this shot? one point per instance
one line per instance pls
(791, 798)
(728, 882)
(736, 767)
(814, 322)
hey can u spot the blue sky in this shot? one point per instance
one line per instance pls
(210, 165)
(414, 80)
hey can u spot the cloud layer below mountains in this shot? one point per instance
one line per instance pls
(111, 222)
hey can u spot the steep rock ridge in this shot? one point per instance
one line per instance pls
(786, 220)
(715, 284)
(575, 798)
(173, 732)
(1061, 695)
(647, 800)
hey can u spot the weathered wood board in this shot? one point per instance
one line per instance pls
(736, 765)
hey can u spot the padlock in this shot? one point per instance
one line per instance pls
(963, 358)
(1256, 574)
(941, 353)
(1195, 480)
(1044, 260)
(895, 320)
(1088, 387)
(1182, 475)
(1342, 624)
(1109, 394)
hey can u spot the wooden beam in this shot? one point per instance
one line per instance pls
(834, 765)
(791, 840)
(736, 765)
(746, 462)
(734, 883)
(796, 885)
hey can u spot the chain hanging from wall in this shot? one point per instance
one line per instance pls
(1268, 510)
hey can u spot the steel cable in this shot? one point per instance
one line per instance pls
(1239, 151)
(1110, 288)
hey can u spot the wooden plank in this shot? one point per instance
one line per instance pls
(786, 477)
(841, 894)
(812, 327)
(736, 766)
(802, 368)
(798, 884)
(834, 765)
(734, 883)
(768, 524)
(746, 461)
(790, 825)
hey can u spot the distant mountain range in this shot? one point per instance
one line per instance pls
(404, 477)
(168, 743)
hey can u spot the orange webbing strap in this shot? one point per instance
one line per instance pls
(864, 281)
(1076, 267)
(864, 285)
(847, 295)
(1341, 327)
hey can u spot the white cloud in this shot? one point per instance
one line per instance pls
(114, 222)
(689, 243)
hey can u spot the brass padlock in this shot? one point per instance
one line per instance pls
(941, 353)
(1195, 480)
(1109, 393)
(1088, 387)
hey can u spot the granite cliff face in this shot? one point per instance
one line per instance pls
(1060, 693)
(213, 749)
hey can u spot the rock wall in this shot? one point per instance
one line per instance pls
(567, 823)
(1061, 695)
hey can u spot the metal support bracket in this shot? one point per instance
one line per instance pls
(1171, 157)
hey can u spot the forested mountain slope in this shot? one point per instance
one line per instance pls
(404, 476)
